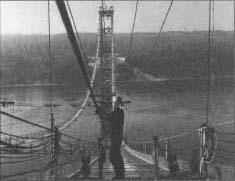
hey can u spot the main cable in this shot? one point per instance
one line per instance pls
(161, 28)
(0, 84)
(132, 30)
(76, 48)
(77, 35)
(208, 66)
(49, 55)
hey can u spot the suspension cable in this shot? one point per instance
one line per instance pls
(212, 61)
(161, 28)
(132, 30)
(84, 103)
(70, 136)
(77, 50)
(77, 35)
(24, 120)
(0, 86)
(22, 137)
(208, 66)
(49, 55)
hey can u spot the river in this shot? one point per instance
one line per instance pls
(157, 109)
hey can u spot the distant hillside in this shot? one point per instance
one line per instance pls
(179, 55)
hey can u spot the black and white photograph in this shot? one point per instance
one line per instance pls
(126, 90)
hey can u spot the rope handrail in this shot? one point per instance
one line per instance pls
(226, 141)
(69, 136)
(177, 135)
(22, 157)
(181, 134)
(36, 146)
(23, 137)
(226, 151)
(24, 120)
(23, 161)
(224, 123)
(226, 133)
(15, 149)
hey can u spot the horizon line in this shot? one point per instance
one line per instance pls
(84, 32)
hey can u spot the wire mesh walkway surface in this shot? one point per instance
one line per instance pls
(134, 170)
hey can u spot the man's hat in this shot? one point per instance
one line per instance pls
(119, 100)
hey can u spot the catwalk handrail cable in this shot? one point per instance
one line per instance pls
(22, 157)
(23, 137)
(226, 141)
(24, 120)
(20, 146)
(23, 161)
(80, 140)
(36, 146)
(30, 150)
(17, 151)
(182, 134)
(226, 151)
(225, 133)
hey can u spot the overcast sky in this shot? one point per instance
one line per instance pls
(31, 17)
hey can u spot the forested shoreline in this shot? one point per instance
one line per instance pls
(24, 58)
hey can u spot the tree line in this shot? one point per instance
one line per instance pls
(24, 58)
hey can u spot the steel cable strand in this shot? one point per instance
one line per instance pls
(78, 139)
(75, 27)
(11, 151)
(23, 146)
(76, 48)
(225, 151)
(67, 143)
(21, 157)
(19, 151)
(84, 103)
(132, 30)
(181, 134)
(23, 137)
(226, 141)
(37, 146)
(161, 28)
(6, 152)
(225, 133)
(23, 161)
